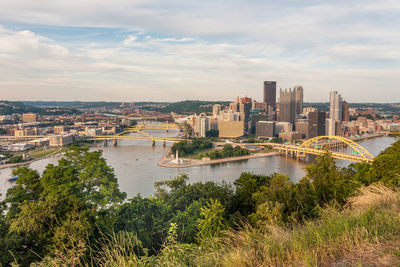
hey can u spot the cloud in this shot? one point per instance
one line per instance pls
(198, 49)
(130, 40)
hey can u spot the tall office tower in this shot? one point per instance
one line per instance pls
(287, 105)
(335, 111)
(201, 125)
(345, 111)
(299, 99)
(216, 110)
(316, 123)
(333, 127)
(270, 93)
(244, 109)
(234, 106)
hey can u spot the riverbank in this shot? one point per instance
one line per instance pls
(165, 161)
(13, 165)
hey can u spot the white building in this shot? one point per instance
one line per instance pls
(335, 110)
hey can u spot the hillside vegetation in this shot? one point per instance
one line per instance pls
(74, 215)
(365, 233)
(191, 107)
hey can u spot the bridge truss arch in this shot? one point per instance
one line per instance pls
(135, 131)
(362, 152)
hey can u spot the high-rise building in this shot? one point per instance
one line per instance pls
(270, 93)
(201, 125)
(234, 106)
(265, 129)
(216, 110)
(335, 111)
(333, 127)
(302, 127)
(299, 99)
(287, 105)
(345, 111)
(244, 109)
(254, 118)
(316, 123)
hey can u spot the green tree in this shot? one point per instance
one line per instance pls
(179, 194)
(386, 167)
(277, 194)
(247, 184)
(323, 183)
(147, 218)
(187, 222)
(211, 222)
(68, 204)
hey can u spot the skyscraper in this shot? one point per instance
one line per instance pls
(345, 111)
(335, 111)
(270, 93)
(316, 123)
(216, 110)
(287, 105)
(244, 109)
(299, 99)
(333, 127)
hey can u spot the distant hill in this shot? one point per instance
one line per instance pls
(388, 108)
(72, 104)
(189, 107)
(13, 107)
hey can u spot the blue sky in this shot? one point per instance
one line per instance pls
(155, 50)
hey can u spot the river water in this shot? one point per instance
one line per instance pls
(135, 165)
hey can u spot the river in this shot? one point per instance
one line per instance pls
(135, 165)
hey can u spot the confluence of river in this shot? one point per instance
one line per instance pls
(135, 165)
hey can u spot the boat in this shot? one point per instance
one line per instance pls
(12, 179)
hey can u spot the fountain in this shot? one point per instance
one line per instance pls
(177, 160)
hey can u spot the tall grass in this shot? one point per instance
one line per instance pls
(365, 232)
(372, 217)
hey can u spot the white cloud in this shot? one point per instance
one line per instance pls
(130, 40)
(203, 49)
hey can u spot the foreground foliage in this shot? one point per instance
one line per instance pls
(365, 233)
(74, 214)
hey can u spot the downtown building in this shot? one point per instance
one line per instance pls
(316, 123)
(270, 94)
(291, 104)
(345, 111)
(333, 124)
(299, 95)
(287, 106)
(335, 106)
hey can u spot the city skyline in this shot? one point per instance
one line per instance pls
(123, 51)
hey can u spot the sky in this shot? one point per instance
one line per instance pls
(157, 50)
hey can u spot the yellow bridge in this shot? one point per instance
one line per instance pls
(318, 145)
(140, 129)
(314, 146)
(157, 126)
